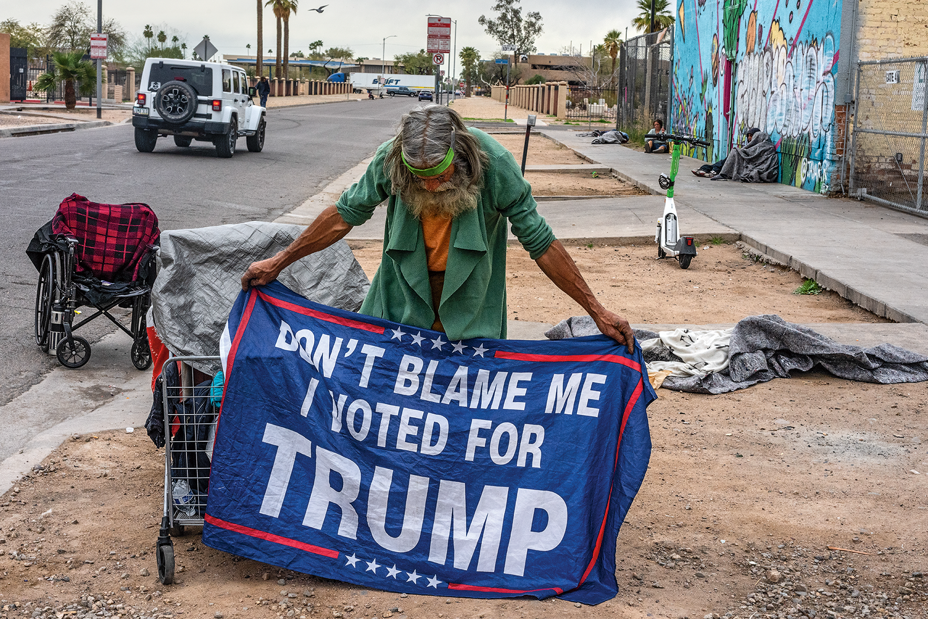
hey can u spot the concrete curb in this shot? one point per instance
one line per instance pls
(52, 128)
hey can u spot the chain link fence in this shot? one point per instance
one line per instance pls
(644, 81)
(890, 133)
(593, 105)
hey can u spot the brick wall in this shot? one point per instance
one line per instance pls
(4, 68)
(892, 28)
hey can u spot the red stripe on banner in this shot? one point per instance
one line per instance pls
(602, 529)
(270, 537)
(345, 322)
(457, 587)
(246, 316)
(517, 356)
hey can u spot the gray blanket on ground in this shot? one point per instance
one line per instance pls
(766, 347)
(199, 278)
(756, 162)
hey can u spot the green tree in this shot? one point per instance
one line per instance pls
(536, 79)
(469, 56)
(74, 22)
(339, 53)
(288, 7)
(510, 28)
(162, 37)
(278, 7)
(612, 42)
(315, 50)
(31, 36)
(68, 67)
(183, 47)
(415, 63)
(148, 33)
(662, 17)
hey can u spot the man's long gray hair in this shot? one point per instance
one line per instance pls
(425, 134)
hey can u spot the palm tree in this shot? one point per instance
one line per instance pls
(174, 41)
(289, 6)
(662, 16)
(612, 42)
(278, 7)
(469, 56)
(259, 61)
(183, 47)
(68, 67)
(148, 33)
(162, 38)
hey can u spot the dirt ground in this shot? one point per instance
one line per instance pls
(802, 498)
(56, 116)
(485, 108)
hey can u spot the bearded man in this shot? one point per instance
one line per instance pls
(449, 192)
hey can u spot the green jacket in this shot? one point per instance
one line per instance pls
(473, 300)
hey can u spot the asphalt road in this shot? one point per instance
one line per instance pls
(306, 148)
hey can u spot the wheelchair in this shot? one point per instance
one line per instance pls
(98, 256)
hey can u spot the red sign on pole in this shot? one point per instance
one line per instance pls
(439, 35)
(97, 46)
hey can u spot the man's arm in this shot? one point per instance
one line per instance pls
(325, 230)
(557, 264)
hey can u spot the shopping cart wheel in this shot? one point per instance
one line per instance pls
(166, 563)
(141, 354)
(73, 355)
(178, 530)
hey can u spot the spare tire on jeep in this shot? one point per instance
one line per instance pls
(176, 102)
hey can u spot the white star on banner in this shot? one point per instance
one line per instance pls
(434, 582)
(459, 347)
(392, 572)
(413, 577)
(352, 560)
(398, 334)
(417, 338)
(372, 566)
(479, 350)
(438, 343)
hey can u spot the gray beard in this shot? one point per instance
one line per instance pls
(448, 202)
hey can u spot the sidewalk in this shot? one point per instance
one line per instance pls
(868, 254)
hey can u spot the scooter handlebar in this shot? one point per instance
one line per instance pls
(665, 137)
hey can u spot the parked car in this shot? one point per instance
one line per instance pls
(425, 95)
(194, 100)
(402, 90)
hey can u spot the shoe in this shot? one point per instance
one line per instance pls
(718, 177)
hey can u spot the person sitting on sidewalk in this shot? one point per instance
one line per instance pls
(655, 146)
(449, 192)
(755, 162)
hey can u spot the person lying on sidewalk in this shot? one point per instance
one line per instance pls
(755, 162)
(655, 146)
(449, 192)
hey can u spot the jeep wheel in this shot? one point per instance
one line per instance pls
(145, 140)
(176, 102)
(182, 140)
(256, 142)
(225, 144)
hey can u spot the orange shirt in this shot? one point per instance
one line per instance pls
(437, 234)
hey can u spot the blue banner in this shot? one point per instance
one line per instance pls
(384, 455)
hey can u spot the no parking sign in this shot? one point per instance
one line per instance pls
(438, 59)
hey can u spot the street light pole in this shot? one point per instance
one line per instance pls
(383, 59)
(99, 62)
(454, 54)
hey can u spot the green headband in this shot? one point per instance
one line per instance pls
(435, 170)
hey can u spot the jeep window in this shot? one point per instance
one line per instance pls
(239, 82)
(226, 80)
(201, 78)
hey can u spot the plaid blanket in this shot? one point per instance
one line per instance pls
(114, 238)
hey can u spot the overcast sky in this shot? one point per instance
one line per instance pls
(358, 24)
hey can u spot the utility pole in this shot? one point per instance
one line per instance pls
(99, 62)
(652, 17)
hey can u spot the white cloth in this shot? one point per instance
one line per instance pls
(701, 352)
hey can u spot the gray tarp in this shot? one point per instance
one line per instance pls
(766, 347)
(200, 271)
(755, 162)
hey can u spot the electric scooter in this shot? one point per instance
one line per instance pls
(668, 239)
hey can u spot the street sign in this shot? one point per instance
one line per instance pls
(509, 48)
(205, 49)
(98, 46)
(439, 35)
(438, 59)
(502, 61)
(442, 73)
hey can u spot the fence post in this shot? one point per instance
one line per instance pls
(560, 108)
(860, 72)
(921, 157)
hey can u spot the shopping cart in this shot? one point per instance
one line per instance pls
(191, 409)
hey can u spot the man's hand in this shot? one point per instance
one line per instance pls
(260, 273)
(615, 327)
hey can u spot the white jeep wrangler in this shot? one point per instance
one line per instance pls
(195, 100)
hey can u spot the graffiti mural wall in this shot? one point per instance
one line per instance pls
(770, 64)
